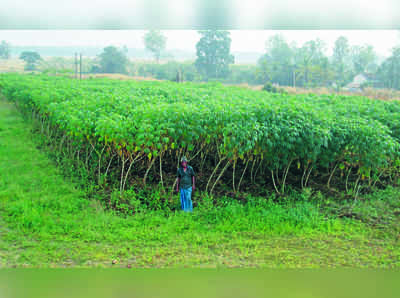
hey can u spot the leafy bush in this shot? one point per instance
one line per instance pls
(131, 133)
(271, 88)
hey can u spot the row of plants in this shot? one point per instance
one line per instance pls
(125, 133)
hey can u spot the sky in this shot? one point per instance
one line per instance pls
(242, 40)
(101, 23)
(195, 14)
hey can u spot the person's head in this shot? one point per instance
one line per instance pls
(184, 161)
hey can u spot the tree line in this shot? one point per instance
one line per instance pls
(31, 58)
(283, 63)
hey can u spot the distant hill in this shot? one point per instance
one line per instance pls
(133, 53)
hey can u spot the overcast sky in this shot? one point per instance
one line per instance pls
(195, 14)
(242, 40)
(89, 18)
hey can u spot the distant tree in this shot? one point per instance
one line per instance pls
(312, 64)
(287, 64)
(112, 60)
(155, 42)
(277, 63)
(341, 61)
(363, 58)
(4, 50)
(31, 58)
(213, 54)
(95, 69)
(389, 71)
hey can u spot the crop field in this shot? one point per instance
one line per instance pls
(290, 181)
(131, 132)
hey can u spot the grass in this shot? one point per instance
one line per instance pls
(11, 65)
(373, 93)
(48, 221)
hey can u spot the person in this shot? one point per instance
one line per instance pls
(185, 185)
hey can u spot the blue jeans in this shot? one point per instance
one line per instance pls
(186, 199)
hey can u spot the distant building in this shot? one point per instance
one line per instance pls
(361, 80)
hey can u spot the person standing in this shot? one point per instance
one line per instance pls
(185, 185)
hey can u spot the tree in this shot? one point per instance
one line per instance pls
(287, 64)
(389, 72)
(341, 61)
(363, 58)
(213, 54)
(112, 60)
(31, 59)
(155, 42)
(276, 65)
(313, 65)
(4, 50)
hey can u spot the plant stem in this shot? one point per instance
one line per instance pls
(220, 175)
(244, 171)
(148, 170)
(284, 178)
(213, 173)
(331, 175)
(273, 180)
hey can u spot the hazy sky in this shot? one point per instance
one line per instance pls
(196, 14)
(83, 16)
(242, 40)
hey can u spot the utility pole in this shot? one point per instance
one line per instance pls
(80, 66)
(294, 78)
(76, 65)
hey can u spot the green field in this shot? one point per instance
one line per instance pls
(121, 132)
(57, 210)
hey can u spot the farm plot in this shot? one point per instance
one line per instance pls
(124, 133)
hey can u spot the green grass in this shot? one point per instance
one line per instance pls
(47, 221)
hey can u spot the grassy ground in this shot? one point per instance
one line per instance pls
(46, 221)
(11, 65)
(373, 93)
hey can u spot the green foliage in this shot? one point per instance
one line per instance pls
(271, 88)
(213, 54)
(286, 64)
(31, 59)
(308, 66)
(5, 51)
(47, 221)
(275, 64)
(113, 60)
(140, 128)
(155, 41)
(62, 65)
(389, 71)
(57, 71)
(341, 61)
(312, 64)
(165, 71)
(243, 74)
(238, 74)
(363, 58)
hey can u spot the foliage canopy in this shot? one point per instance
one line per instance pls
(213, 53)
(113, 60)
